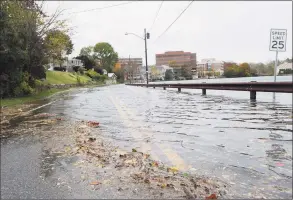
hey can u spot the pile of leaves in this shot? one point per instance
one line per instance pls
(139, 168)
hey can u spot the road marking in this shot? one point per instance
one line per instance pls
(145, 147)
(165, 148)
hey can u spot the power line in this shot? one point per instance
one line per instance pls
(156, 15)
(111, 6)
(175, 20)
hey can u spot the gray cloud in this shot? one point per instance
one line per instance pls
(237, 31)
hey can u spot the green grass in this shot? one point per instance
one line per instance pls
(57, 77)
(20, 100)
(53, 77)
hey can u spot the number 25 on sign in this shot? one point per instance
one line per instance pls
(278, 40)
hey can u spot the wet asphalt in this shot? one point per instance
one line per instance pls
(20, 173)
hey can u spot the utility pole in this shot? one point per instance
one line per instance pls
(146, 36)
(129, 70)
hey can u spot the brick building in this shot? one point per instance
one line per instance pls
(132, 68)
(178, 59)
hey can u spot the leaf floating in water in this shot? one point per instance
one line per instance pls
(212, 196)
(93, 124)
(280, 164)
(134, 150)
(95, 183)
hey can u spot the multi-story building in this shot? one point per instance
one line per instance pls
(210, 67)
(177, 60)
(132, 68)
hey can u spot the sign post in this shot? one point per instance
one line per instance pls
(278, 44)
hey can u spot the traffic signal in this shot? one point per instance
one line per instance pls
(148, 35)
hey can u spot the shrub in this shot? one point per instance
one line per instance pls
(75, 68)
(91, 73)
(96, 76)
(62, 69)
(23, 89)
(81, 70)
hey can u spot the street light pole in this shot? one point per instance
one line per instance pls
(146, 36)
(146, 56)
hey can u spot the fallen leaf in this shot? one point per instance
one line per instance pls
(172, 169)
(95, 183)
(212, 196)
(185, 174)
(93, 124)
(146, 156)
(155, 164)
(163, 185)
(280, 164)
(106, 182)
(67, 149)
(134, 150)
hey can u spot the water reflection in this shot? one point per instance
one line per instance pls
(253, 103)
(215, 134)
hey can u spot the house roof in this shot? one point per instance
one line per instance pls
(110, 75)
(285, 66)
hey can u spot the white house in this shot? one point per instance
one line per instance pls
(112, 78)
(67, 64)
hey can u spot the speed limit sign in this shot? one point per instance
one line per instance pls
(278, 40)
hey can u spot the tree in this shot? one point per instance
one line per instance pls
(119, 73)
(186, 72)
(154, 72)
(231, 71)
(288, 60)
(105, 55)
(88, 63)
(87, 51)
(21, 47)
(169, 75)
(244, 70)
(58, 44)
(23, 27)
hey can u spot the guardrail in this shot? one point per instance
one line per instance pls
(253, 87)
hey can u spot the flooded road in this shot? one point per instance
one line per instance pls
(245, 143)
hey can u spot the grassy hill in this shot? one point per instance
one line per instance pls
(58, 77)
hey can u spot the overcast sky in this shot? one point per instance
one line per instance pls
(237, 31)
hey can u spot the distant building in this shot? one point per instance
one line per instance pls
(131, 67)
(285, 68)
(210, 68)
(112, 78)
(176, 58)
(67, 64)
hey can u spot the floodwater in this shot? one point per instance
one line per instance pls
(224, 134)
